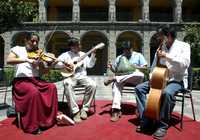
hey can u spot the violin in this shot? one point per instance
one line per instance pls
(45, 59)
(40, 55)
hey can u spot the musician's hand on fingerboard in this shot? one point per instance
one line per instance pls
(69, 67)
(109, 65)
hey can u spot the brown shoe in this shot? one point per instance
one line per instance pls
(116, 115)
(84, 115)
(77, 118)
(109, 80)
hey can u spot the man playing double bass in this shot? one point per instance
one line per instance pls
(175, 55)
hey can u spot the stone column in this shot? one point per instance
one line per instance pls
(76, 34)
(42, 11)
(112, 11)
(145, 11)
(42, 43)
(76, 11)
(111, 49)
(178, 11)
(7, 44)
(146, 48)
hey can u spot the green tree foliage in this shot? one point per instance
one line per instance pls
(193, 38)
(14, 12)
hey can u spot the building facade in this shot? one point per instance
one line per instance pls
(107, 21)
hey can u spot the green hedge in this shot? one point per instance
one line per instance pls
(8, 75)
(196, 78)
(52, 76)
(55, 76)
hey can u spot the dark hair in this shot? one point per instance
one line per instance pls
(166, 30)
(29, 35)
(73, 41)
(126, 45)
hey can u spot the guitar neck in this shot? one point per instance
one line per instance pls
(85, 55)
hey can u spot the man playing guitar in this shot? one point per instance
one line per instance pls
(76, 74)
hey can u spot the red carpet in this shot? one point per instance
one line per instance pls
(99, 127)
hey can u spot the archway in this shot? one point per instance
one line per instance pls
(92, 10)
(154, 44)
(133, 37)
(59, 10)
(57, 42)
(161, 10)
(190, 10)
(18, 39)
(89, 40)
(128, 10)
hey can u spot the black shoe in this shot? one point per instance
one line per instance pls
(144, 125)
(141, 129)
(37, 132)
(159, 134)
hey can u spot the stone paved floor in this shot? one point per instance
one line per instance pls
(104, 93)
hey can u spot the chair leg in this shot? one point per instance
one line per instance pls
(94, 104)
(63, 96)
(193, 112)
(19, 120)
(182, 111)
(5, 96)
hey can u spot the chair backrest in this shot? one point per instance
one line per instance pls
(79, 89)
(128, 88)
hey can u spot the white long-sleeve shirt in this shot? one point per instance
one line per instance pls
(88, 62)
(177, 60)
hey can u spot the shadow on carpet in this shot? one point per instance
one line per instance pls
(99, 127)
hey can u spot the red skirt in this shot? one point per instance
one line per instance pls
(37, 102)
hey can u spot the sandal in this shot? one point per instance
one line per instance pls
(62, 119)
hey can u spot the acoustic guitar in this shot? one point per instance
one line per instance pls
(158, 82)
(76, 62)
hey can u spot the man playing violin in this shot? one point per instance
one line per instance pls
(35, 99)
(175, 56)
(79, 77)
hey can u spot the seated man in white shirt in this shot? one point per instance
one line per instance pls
(175, 55)
(79, 77)
(129, 75)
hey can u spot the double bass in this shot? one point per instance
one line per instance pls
(158, 82)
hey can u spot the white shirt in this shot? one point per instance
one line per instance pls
(177, 60)
(24, 69)
(88, 62)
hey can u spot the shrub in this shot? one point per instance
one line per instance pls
(52, 76)
(8, 74)
(55, 76)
